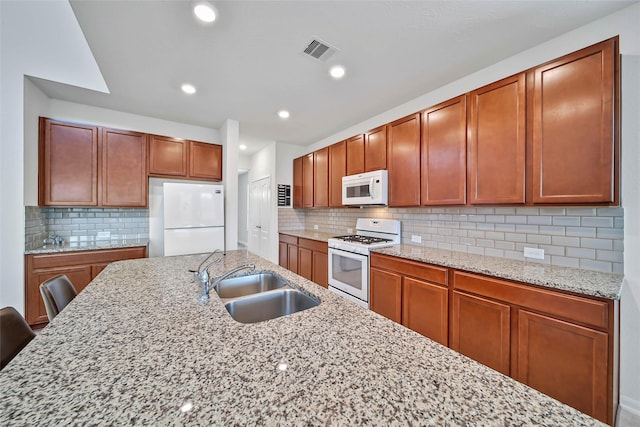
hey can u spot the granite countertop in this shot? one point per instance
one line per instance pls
(89, 245)
(320, 236)
(136, 347)
(585, 282)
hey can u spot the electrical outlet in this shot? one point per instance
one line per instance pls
(104, 235)
(315, 226)
(350, 230)
(533, 253)
(416, 239)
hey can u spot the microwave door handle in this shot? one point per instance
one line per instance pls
(371, 189)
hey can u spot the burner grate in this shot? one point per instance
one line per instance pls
(365, 240)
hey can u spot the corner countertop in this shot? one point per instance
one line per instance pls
(320, 236)
(136, 347)
(89, 245)
(584, 282)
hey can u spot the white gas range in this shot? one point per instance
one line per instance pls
(349, 257)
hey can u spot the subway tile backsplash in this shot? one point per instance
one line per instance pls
(588, 238)
(77, 223)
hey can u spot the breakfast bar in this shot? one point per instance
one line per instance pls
(137, 347)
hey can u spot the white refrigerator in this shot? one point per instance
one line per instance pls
(192, 218)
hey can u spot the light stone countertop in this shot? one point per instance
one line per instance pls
(89, 245)
(135, 346)
(585, 282)
(320, 236)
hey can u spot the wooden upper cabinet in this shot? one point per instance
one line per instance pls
(307, 180)
(375, 149)
(574, 127)
(497, 134)
(68, 164)
(444, 153)
(403, 161)
(355, 155)
(168, 156)
(124, 168)
(205, 161)
(297, 182)
(337, 169)
(321, 178)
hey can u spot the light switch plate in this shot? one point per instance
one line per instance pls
(416, 239)
(349, 230)
(533, 253)
(104, 234)
(315, 226)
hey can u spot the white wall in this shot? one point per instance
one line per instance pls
(243, 213)
(263, 165)
(625, 24)
(285, 153)
(36, 104)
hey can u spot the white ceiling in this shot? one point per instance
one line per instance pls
(248, 64)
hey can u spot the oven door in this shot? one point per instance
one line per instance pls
(349, 273)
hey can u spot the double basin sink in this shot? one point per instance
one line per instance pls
(262, 296)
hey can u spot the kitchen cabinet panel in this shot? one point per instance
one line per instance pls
(425, 309)
(497, 133)
(168, 156)
(297, 182)
(565, 361)
(68, 164)
(81, 267)
(385, 294)
(307, 180)
(480, 329)
(124, 168)
(355, 155)
(444, 153)
(205, 161)
(321, 178)
(337, 169)
(574, 137)
(403, 161)
(305, 263)
(305, 257)
(320, 273)
(375, 149)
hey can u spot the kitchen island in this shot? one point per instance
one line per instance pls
(136, 347)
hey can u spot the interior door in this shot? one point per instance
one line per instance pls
(260, 217)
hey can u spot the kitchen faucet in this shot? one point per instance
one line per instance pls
(210, 284)
(202, 275)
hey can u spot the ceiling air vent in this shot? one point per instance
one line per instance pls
(319, 50)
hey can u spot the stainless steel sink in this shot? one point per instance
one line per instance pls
(269, 305)
(247, 285)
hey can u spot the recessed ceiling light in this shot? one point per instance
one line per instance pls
(337, 71)
(242, 147)
(188, 89)
(204, 11)
(284, 114)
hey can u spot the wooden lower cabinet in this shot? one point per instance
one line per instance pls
(558, 343)
(81, 267)
(288, 252)
(306, 257)
(305, 262)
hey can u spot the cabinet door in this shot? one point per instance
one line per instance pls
(307, 180)
(205, 161)
(292, 256)
(375, 149)
(297, 182)
(305, 263)
(68, 164)
(168, 156)
(385, 294)
(283, 258)
(425, 309)
(337, 169)
(403, 161)
(497, 142)
(444, 153)
(480, 329)
(565, 361)
(573, 127)
(321, 178)
(124, 168)
(355, 155)
(320, 273)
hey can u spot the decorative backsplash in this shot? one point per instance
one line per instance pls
(588, 238)
(83, 223)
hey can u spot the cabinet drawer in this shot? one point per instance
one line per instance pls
(410, 268)
(314, 245)
(87, 257)
(285, 238)
(579, 309)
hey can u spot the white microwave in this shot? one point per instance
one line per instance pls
(369, 188)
